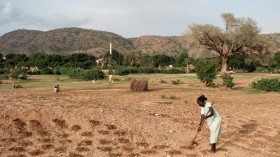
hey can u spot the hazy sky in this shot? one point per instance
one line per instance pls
(133, 18)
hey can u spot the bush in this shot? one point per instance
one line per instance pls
(267, 84)
(2, 70)
(122, 71)
(139, 85)
(176, 82)
(46, 71)
(192, 71)
(206, 70)
(4, 77)
(162, 81)
(18, 75)
(82, 74)
(36, 72)
(250, 68)
(227, 80)
(56, 71)
(174, 71)
(236, 61)
(93, 74)
(65, 70)
(135, 70)
(150, 70)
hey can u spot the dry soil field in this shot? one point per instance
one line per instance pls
(112, 121)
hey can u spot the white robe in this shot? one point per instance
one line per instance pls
(214, 122)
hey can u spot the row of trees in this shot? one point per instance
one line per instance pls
(86, 61)
(132, 59)
(138, 59)
(42, 60)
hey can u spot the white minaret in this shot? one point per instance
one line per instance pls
(110, 47)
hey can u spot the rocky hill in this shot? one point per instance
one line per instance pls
(71, 40)
(158, 44)
(64, 40)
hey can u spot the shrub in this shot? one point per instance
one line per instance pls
(172, 97)
(56, 71)
(227, 80)
(82, 74)
(192, 71)
(93, 74)
(250, 68)
(19, 75)
(176, 82)
(2, 70)
(36, 72)
(206, 70)
(162, 81)
(75, 73)
(139, 85)
(150, 70)
(65, 70)
(46, 71)
(236, 61)
(174, 71)
(122, 71)
(267, 84)
(251, 64)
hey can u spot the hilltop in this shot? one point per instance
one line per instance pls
(158, 44)
(71, 40)
(65, 40)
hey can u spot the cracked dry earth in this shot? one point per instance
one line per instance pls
(115, 122)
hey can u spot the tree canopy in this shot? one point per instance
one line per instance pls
(241, 35)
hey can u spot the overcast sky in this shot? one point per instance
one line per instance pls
(133, 18)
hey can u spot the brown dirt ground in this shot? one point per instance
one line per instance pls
(116, 122)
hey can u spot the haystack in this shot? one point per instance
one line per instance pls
(139, 85)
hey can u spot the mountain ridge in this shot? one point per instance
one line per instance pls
(96, 42)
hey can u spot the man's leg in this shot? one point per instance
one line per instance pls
(213, 147)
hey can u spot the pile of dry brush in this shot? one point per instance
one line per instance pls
(139, 85)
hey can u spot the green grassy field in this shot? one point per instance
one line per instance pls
(190, 82)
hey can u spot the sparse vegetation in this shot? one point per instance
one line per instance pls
(170, 97)
(83, 74)
(176, 82)
(267, 84)
(227, 80)
(162, 81)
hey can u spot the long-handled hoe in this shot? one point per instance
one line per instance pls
(193, 141)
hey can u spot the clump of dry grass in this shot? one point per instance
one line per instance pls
(139, 85)
(76, 127)
(60, 122)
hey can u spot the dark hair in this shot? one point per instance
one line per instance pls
(201, 98)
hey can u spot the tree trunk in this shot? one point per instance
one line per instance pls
(224, 64)
(188, 68)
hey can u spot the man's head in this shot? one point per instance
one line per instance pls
(201, 100)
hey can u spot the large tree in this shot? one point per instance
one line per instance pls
(241, 35)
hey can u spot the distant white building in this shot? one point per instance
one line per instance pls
(110, 47)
